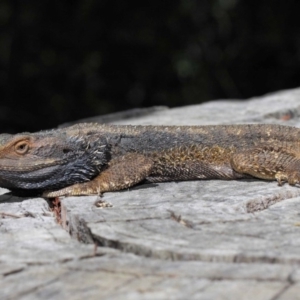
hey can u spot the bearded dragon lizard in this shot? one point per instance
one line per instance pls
(86, 159)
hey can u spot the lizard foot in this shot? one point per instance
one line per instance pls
(293, 178)
(79, 189)
(281, 178)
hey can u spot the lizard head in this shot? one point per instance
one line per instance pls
(50, 159)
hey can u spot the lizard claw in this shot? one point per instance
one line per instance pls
(281, 178)
(292, 178)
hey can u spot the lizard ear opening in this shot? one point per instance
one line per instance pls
(22, 147)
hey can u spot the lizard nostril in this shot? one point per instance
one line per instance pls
(65, 150)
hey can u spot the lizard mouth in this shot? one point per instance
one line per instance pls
(50, 174)
(36, 176)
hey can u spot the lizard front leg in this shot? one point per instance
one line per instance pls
(122, 172)
(271, 163)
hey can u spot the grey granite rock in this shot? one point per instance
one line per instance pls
(178, 240)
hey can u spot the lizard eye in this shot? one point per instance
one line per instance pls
(22, 147)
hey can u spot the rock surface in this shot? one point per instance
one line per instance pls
(178, 240)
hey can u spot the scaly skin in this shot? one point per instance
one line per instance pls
(87, 159)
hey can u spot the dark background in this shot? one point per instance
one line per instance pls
(65, 60)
